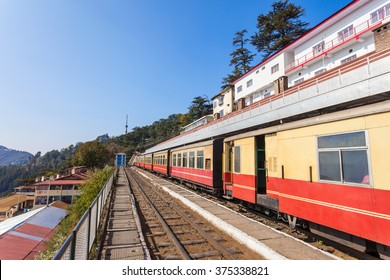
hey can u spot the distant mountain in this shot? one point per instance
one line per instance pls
(12, 157)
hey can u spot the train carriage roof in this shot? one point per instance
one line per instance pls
(195, 145)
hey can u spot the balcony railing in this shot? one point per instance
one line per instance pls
(331, 45)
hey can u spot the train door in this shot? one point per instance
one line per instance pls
(261, 168)
(228, 170)
(229, 164)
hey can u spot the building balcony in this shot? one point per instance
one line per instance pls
(358, 33)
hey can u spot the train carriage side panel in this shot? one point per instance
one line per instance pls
(160, 162)
(140, 161)
(333, 174)
(243, 170)
(273, 167)
(194, 163)
(379, 138)
(148, 161)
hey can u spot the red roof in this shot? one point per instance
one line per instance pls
(59, 182)
(24, 240)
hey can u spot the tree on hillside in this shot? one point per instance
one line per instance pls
(200, 107)
(231, 77)
(92, 154)
(48, 164)
(142, 138)
(241, 58)
(278, 28)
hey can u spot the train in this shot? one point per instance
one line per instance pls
(305, 134)
(327, 170)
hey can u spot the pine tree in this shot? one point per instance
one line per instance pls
(231, 77)
(278, 28)
(200, 107)
(241, 58)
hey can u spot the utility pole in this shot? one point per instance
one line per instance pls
(126, 124)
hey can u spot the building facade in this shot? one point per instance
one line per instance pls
(355, 31)
(223, 102)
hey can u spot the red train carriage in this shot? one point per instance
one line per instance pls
(329, 170)
(199, 163)
(160, 162)
(139, 161)
(148, 161)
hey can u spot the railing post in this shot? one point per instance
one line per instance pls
(73, 245)
(89, 231)
(97, 214)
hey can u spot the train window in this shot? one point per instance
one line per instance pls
(191, 160)
(329, 166)
(174, 160)
(199, 159)
(237, 159)
(343, 158)
(179, 159)
(184, 159)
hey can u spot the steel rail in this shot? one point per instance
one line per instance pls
(200, 230)
(164, 224)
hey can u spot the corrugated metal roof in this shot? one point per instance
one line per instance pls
(33, 230)
(17, 220)
(22, 238)
(49, 218)
(15, 247)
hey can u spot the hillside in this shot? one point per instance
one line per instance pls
(13, 157)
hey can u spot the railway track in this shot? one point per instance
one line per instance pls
(174, 232)
(337, 249)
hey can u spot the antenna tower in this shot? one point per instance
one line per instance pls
(126, 124)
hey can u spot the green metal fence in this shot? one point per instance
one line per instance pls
(79, 244)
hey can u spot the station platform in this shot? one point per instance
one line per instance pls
(270, 243)
(123, 239)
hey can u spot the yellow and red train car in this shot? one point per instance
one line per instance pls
(199, 163)
(329, 170)
(160, 162)
(139, 161)
(148, 161)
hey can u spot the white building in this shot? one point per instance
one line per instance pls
(223, 102)
(348, 34)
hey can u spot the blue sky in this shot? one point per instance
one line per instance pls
(70, 70)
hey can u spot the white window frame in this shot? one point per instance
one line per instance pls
(348, 59)
(220, 100)
(323, 70)
(380, 14)
(340, 149)
(237, 159)
(299, 81)
(319, 48)
(345, 33)
(275, 68)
